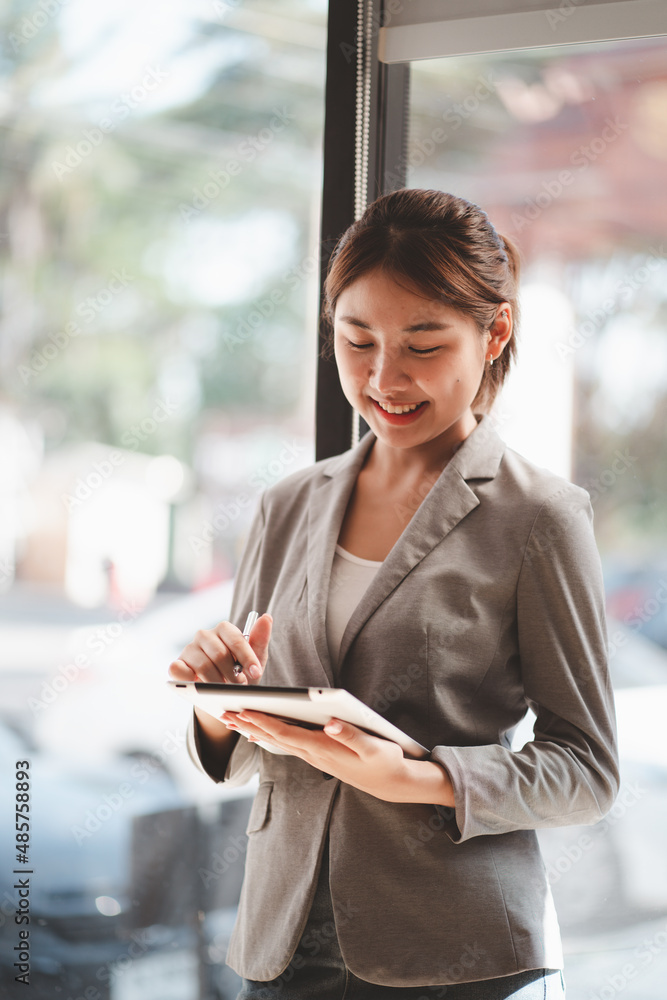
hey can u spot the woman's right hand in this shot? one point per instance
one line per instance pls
(213, 653)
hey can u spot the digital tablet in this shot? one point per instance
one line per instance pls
(311, 707)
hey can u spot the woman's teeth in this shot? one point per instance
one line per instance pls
(390, 408)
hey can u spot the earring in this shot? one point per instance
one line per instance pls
(491, 360)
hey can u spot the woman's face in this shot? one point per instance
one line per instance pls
(396, 349)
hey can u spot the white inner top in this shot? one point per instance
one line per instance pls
(350, 578)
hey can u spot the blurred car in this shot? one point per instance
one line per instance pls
(126, 672)
(637, 596)
(117, 883)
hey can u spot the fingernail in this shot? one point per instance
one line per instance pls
(254, 671)
(333, 727)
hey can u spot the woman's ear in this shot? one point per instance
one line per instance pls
(500, 331)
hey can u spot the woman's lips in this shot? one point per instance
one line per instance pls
(400, 418)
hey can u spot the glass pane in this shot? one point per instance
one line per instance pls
(158, 302)
(566, 148)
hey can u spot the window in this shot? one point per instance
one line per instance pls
(160, 256)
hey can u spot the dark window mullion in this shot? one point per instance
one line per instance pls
(359, 91)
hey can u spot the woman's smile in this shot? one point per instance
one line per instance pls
(397, 413)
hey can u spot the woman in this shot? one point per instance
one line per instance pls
(447, 582)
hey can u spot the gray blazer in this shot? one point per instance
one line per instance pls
(491, 601)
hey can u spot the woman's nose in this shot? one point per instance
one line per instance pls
(387, 372)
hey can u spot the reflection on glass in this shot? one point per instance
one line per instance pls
(159, 194)
(566, 148)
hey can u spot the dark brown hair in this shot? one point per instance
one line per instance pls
(443, 247)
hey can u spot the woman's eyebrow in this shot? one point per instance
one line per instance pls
(425, 327)
(355, 322)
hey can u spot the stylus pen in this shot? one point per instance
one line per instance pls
(247, 629)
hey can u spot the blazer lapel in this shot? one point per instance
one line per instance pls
(326, 511)
(446, 504)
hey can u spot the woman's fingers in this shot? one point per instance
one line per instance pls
(180, 671)
(208, 656)
(251, 654)
(260, 637)
(213, 654)
(250, 732)
(255, 729)
(194, 664)
(293, 737)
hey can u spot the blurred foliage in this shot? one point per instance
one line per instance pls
(116, 286)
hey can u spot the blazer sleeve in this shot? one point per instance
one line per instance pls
(568, 774)
(243, 762)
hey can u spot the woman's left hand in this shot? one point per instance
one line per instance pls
(370, 763)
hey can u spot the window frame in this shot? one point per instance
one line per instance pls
(370, 46)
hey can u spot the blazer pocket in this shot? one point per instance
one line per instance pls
(259, 813)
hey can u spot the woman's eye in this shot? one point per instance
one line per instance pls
(413, 350)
